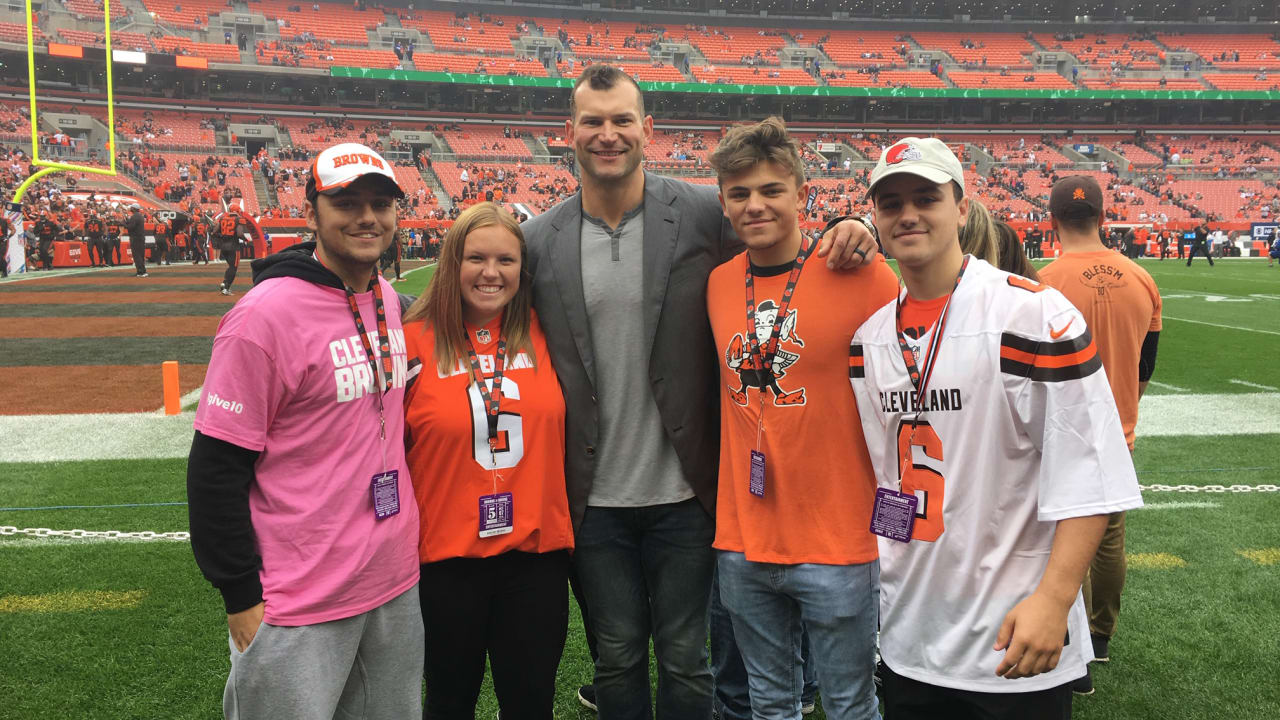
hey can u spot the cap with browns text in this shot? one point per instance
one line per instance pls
(337, 167)
(1077, 196)
(930, 158)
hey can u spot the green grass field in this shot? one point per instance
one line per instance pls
(129, 629)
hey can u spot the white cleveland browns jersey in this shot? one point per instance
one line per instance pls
(1018, 431)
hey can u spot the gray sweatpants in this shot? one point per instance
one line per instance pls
(366, 667)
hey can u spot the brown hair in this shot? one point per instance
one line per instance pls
(1012, 257)
(746, 146)
(600, 76)
(441, 304)
(978, 236)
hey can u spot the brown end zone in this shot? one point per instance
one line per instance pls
(62, 389)
(70, 327)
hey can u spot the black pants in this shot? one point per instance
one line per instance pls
(97, 251)
(515, 608)
(46, 253)
(1203, 249)
(115, 250)
(907, 699)
(138, 247)
(232, 259)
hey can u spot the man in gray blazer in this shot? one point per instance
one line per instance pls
(619, 280)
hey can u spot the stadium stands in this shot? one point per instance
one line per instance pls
(731, 45)
(92, 9)
(1252, 51)
(334, 21)
(883, 78)
(491, 35)
(994, 50)
(862, 47)
(1106, 50)
(188, 14)
(737, 74)
(217, 52)
(509, 65)
(648, 73)
(1122, 83)
(1241, 81)
(1029, 80)
(17, 33)
(485, 140)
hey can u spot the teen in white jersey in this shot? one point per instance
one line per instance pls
(998, 454)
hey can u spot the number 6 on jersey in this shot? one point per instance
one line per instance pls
(510, 429)
(924, 482)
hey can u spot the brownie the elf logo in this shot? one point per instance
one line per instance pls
(738, 357)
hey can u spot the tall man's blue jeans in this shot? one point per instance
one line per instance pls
(647, 571)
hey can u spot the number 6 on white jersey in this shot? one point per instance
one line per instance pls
(510, 428)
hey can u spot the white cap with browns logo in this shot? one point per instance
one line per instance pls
(930, 158)
(339, 166)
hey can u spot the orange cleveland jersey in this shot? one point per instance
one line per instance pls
(819, 481)
(1121, 304)
(447, 447)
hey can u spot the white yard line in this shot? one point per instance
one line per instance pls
(1167, 386)
(40, 274)
(1181, 506)
(1202, 415)
(134, 436)
(1256, 386)
(1224, 327)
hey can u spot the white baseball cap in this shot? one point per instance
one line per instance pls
(339, 166)
(930, 158)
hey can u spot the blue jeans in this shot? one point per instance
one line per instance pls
(771, 605)
(732, 699)
(647, 570)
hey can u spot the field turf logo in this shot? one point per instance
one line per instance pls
(213, 400)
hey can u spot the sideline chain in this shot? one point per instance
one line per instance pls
(95, 534)
(1210, 488)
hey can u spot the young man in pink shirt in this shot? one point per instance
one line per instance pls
(302, 510)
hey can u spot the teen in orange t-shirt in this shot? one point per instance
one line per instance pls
(794, 547)
(496, 533)
(1121, 305)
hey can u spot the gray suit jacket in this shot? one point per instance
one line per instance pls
(685, 237)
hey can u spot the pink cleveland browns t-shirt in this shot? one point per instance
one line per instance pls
(289, 377)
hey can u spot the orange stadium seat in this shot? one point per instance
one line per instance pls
(728, 45)
(1143, 84)
(998, 49)
(334, 21)
(1015, 79)
(1242, 81)
(450, 33)
(885, 78)
(217, 52)
(847, 47)
(92, 9)
(439, 62)
(485, 140)
(189, 14)
(1101, 49)
(1256, 50)
(753, 76)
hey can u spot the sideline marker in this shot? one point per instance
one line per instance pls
(172, 403)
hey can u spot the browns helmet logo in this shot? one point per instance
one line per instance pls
(739, 358)
(902, 152)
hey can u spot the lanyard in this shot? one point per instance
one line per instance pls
(492, 401)
(384, 344)
(765, 361)
(919, 379)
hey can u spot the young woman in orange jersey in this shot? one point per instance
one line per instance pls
(484, 436)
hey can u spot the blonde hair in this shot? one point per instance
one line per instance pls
(746, 146)
(441, 304)
(978, 235)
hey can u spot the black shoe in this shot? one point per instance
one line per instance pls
(1083, 685)
(587, 696)
(1101, 653)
